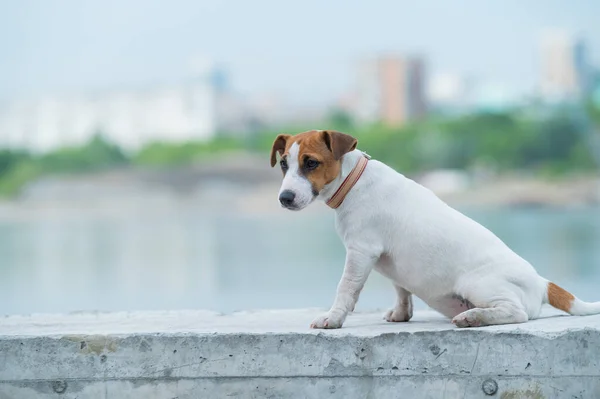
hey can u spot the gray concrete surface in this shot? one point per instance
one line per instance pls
(273, 354)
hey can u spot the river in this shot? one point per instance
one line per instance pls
(187, 257)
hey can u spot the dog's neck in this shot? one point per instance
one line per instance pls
(349, 161)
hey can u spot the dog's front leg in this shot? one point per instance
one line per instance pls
(357, 269)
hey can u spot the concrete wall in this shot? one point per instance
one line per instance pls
(274, 355)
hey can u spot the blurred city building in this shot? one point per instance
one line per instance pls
(596, 87)
(566, 73)
(391, 89)
(195, 109)
(449, 93)
(454, 94)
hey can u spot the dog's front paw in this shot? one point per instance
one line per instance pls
(398, 314)
(328, 320)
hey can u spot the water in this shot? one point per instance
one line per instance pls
(187, 258)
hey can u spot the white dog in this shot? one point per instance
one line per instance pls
(402, 230)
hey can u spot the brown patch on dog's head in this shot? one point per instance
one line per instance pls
(319, 156)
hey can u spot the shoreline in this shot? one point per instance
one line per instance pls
(247, 185)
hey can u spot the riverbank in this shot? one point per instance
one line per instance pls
(248, 184)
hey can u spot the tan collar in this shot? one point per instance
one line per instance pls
(338, 197)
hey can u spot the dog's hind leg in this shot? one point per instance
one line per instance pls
(502, 312)
(403, 310)
(497, 299)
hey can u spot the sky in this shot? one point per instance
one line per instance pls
(308, 50)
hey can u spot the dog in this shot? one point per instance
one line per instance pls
(402, 230)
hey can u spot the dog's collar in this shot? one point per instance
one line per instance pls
(338, 197)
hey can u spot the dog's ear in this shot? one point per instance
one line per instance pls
(339, 143)
(278, 147)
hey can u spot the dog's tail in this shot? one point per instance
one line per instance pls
(567, 302)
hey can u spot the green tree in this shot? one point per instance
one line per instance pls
(340, 120)
(97, 154)
(9, 158)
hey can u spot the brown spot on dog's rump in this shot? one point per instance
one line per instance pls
(325, 146)
(559, 298)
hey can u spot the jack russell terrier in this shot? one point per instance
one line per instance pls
(405, 232)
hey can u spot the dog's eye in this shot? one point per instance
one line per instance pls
(311, 164)
(284, 165)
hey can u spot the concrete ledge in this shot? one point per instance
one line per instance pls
(273, 354)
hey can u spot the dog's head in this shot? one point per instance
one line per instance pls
(309, 161)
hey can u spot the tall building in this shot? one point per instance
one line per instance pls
(565, 69)
(191, 110)
(391, 90)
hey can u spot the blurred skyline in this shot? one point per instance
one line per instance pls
(304, 51)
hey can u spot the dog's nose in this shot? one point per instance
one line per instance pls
(287, 197)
